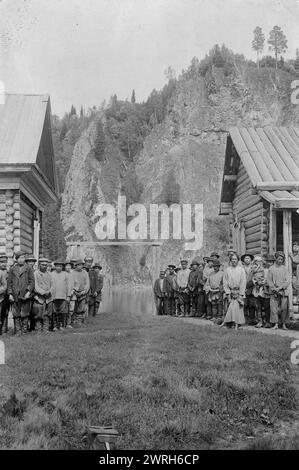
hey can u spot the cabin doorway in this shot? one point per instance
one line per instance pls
(294, 229)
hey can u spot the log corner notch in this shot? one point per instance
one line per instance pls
(232, 178)
(226, 208)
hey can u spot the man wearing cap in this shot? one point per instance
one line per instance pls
(30, 261)
(70, 307)
(214, 256)
(208, 269)
(195, 281)
(169, 290)
(96, 285)
(88, 260)
(159, 293)
(214, 289)
(4, 306)
(42, 297)
(249, 301)
(259, 281)
(20, 286)
(81, 286)
(176, 291)
(264, 300)
(279, 282)
(183, 291)
(60, 295)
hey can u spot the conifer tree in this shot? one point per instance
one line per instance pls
(277, 42)
(258, 43)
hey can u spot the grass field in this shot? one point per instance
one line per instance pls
(162, 383)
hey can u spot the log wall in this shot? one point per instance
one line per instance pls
(27, 211)
(10, 223)
(252, 211)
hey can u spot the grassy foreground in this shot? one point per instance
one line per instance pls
(162, 383)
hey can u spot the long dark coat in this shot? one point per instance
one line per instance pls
(20, 280)
(96, 284)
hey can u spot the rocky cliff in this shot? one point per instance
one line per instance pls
(181, 160)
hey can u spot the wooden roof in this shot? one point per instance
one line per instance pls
(270, 156)
(25, 135)
(21, 124)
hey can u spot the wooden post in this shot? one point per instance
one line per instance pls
(272, 230)
(36, 234)
(287, 247)
(156, 262)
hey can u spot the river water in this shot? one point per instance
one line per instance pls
(128, 300)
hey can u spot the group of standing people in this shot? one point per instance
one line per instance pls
(247, 289)
(46, 296)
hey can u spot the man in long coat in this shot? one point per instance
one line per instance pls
(42, 297)
(183, 291)
(279, 281)
(195, 282)
(20, 285)
(159, 293)
(96, 280)
(169, 290)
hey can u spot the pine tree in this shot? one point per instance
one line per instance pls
(81, 112)
(277, 42)
(170, 73)
(73, 110)
(258, 43)
(133, 98)
(297, 60)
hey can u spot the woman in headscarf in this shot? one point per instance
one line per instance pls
(234, 285)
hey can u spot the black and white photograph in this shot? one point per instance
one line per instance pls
(149, 229)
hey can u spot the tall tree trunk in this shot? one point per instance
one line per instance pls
(257, 60)
(276, 59)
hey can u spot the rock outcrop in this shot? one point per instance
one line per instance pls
(181, 161)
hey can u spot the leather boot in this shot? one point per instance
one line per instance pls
(17, 326)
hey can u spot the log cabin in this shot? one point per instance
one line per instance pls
(28, 180)
(260, 190)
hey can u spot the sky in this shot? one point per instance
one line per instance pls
(84, 51)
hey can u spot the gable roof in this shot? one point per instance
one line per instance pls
(269, 153)
(24, 121)
(270, 156)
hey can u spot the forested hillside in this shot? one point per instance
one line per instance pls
(168, 149)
